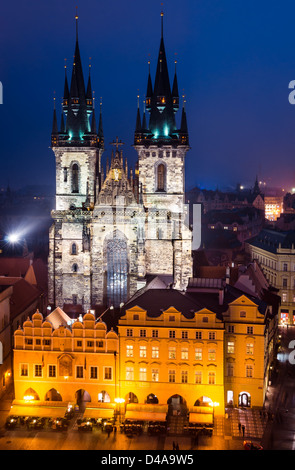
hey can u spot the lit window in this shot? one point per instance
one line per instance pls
(250, 349)
(184, 353)
(211, 355)
(142, 351)
(129, 373)
(142, 374)
(198, 354)
(155, 352)
(230, 347)
(129, 350)
(155, 375)
(172, 352)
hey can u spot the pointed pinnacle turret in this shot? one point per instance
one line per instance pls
(175, 95)
(54, 133)
(93, 122)
(138, 120)
(100, 127)
(183, 126)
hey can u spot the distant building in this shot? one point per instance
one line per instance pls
(245, 223)
(275, 252)
(215, 200)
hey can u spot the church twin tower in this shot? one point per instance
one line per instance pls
(114, 230)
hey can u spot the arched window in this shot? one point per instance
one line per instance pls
(116, 269)
(75, 268)
(161, 177)
(75, 178)
(74, 249)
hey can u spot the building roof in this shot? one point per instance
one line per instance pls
(23, 296)
(271, 240)
(58, 317)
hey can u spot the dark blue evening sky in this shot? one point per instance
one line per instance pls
(235, 61)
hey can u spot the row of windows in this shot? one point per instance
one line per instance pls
(79, 343)
(171, 334)
(80, 371)
(184, 352)
(184, 375)
(172, 376)
(185, 334)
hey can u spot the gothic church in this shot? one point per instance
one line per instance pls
(115, 229)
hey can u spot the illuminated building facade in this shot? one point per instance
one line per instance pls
(274, 207)
(112, 227)
(175, 350)
(275, 253)
(62, 364)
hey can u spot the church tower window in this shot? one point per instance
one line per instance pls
(117, 270)
(75, 268)
(161, 173)
(75, 178)
(73, 249)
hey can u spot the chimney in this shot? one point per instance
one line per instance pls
(221, 296)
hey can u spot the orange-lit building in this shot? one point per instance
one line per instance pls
(76, 364)
(175, 355)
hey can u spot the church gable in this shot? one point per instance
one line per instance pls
(116, 188)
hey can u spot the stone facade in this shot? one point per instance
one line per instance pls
(111, 227)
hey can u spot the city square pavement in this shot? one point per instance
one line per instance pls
(226, 436)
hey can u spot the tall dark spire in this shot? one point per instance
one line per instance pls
(161, 102)
(78, 106)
